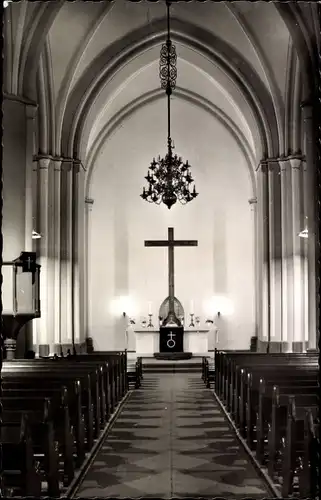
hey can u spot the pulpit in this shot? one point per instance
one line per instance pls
(20, 297)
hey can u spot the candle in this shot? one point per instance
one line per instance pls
(149, 308)
(192, 307)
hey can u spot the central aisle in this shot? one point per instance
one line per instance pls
(172, 439)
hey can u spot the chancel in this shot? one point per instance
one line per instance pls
(164, 317)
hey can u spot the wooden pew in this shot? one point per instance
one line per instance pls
(208, 372)
(309, 474)
(204, 367)
(279, 419)
(261, 403)
(227, 361)
(24, 390)
(55, 377)
(103, 396)
(93, 385)
(238, 368)
(295, 446)
(32, 382)
(134, 373)
(40, 410)
(118, 365)
(52, 370)
(20, 471)
(44, 446)
(235, 383)
(289, 375)
(249, 383)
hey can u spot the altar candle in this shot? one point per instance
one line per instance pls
(149, 308)
(192, 307)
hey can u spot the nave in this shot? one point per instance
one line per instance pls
(172, 439)
(100, 425)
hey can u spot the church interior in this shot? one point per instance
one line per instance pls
(161, 261)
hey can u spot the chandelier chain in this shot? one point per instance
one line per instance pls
(169, 179)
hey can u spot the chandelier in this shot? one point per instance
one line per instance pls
(169, 179)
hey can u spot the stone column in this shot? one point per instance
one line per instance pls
(287, 267)
(29, 192)
(78, 256)
(88, 211)
(311, 214)
(293, 274)
(305, 254)
(45, 324)
(66, 255)
(275, 254)
(253, 205)
(263, 294)
(298, 254)
(57, 267)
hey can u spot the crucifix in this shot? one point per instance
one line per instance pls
(171, 243)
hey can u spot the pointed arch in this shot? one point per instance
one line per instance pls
(133, 44)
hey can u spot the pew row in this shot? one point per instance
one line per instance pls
(273, 401)
(64, 405)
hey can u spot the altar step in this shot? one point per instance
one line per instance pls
(165, 366)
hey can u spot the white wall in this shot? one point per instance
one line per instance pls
(220, 219)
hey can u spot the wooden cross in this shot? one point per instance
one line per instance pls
(171, 243)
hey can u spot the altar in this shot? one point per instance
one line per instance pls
(171, 335)
(147, 341)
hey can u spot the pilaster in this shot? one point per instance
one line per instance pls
(310, 193)
(66, 255)
(305, 253)
(57, 243)
(297, 249)
(31, 111)
(78, 253)
(89, 207)
(263, 296)
(275, 250)
(253, 205)
(287, 262)
(44, 325)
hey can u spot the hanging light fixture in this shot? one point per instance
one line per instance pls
(35, 235)
(169, 179)
(305, 232)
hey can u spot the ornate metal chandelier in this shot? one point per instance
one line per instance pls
(168, 178)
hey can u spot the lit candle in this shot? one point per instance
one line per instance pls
(149, 308)
(192, 307)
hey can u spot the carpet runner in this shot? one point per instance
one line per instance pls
(171, 439)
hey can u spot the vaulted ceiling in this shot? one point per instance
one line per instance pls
(89, 65)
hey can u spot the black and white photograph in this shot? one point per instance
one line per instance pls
(161, 253)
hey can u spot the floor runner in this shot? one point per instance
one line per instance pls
(172, 439)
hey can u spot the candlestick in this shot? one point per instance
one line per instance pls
(150, 324)
(192, 320)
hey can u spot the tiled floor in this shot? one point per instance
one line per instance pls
(171, 439)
